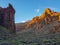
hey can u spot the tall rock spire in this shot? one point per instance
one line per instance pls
(7, 18)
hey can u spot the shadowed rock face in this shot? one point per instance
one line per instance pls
(7, 18)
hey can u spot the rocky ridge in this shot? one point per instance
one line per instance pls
(49, 19)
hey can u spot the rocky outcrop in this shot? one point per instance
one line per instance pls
(7, 18)
(49, 22)
(47, 17)
(43, 30)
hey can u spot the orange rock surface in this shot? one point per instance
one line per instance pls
(47, 16)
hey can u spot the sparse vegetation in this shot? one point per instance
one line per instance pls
(43, 30)
(30, 39)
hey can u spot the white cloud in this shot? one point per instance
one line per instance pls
(37, 10)
(23, 21)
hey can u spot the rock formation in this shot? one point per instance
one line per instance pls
(49, 19)
(43, 30)
(7, 18)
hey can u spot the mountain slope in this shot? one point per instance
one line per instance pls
(41, 30)
(49, 19)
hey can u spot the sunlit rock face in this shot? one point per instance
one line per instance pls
(7, 18)
(48, 22)
(46, 17)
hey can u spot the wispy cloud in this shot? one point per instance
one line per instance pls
(37, 10)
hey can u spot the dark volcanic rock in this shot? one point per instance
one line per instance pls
(7, 18)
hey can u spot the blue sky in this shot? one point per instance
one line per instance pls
(27, 9)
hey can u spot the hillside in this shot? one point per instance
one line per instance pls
(41, 30)
(49, 19)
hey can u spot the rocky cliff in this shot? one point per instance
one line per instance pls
(49, 19)
(7, 18)
(49, 22)
(41, 30)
